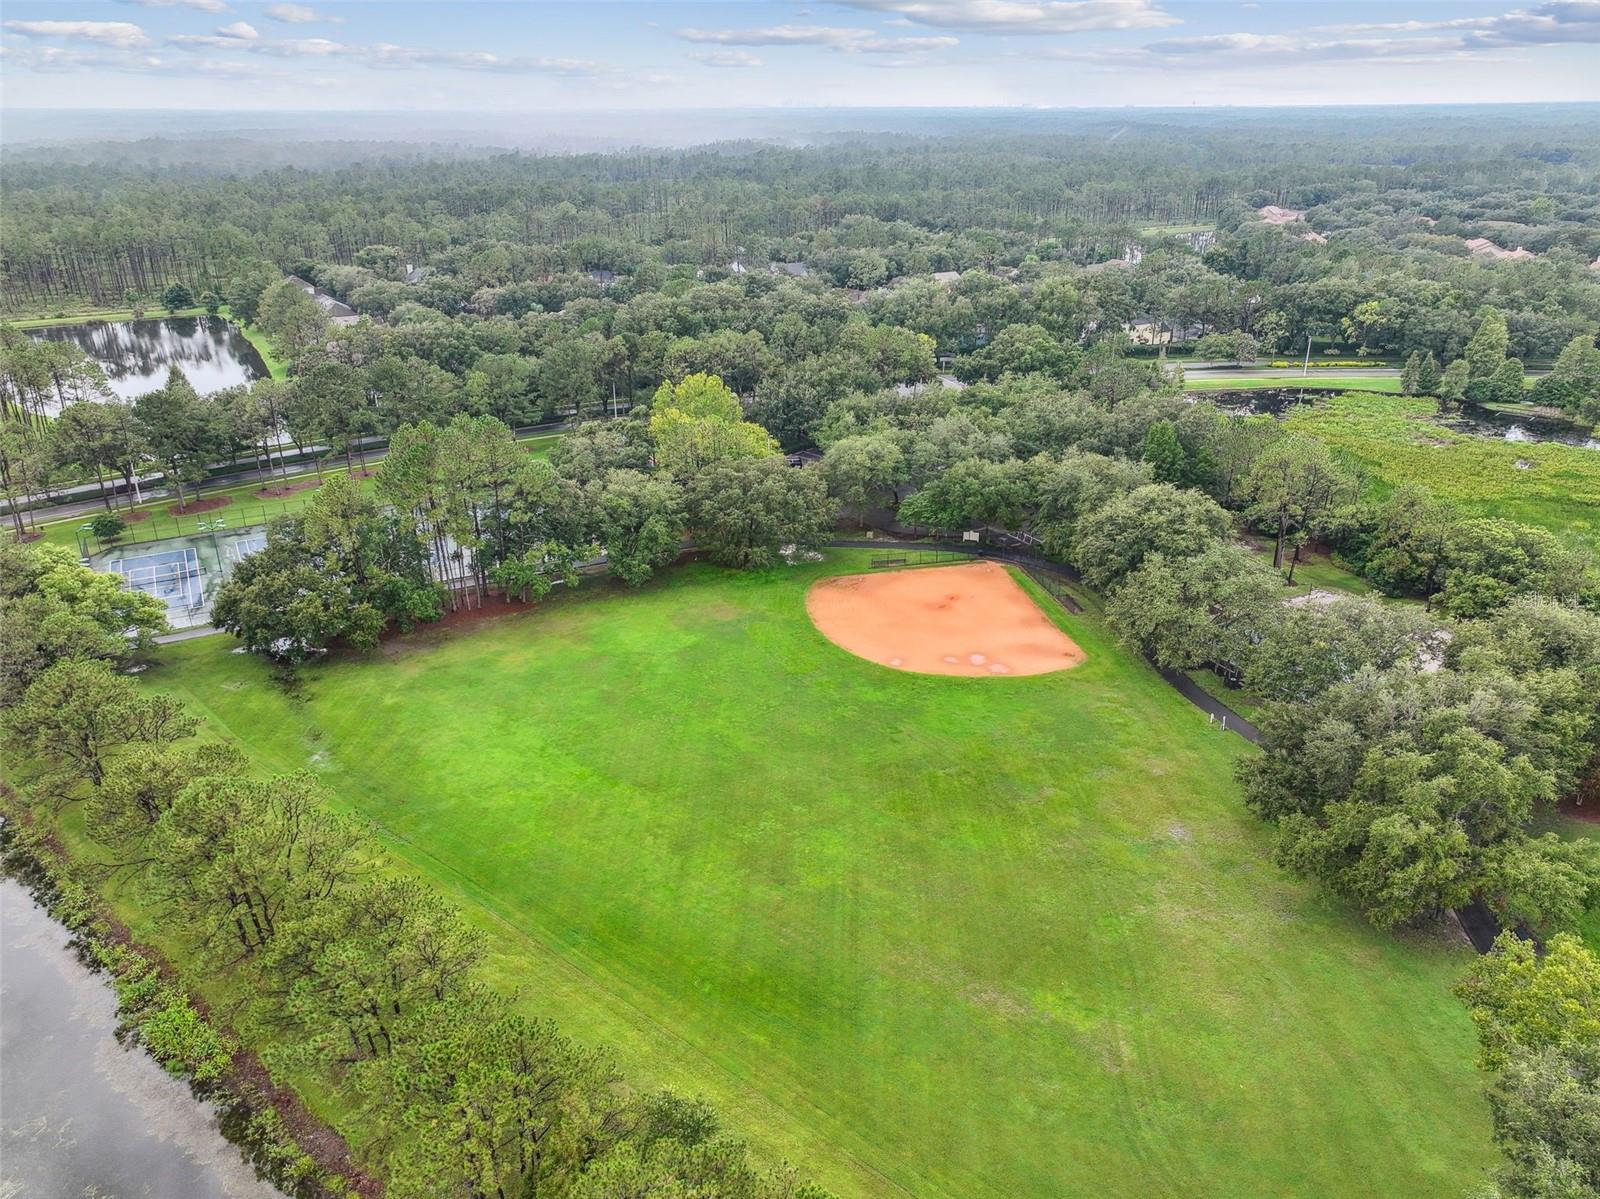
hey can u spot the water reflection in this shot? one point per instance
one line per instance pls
(135, 355)
(1471, 419)
(1508, 426)
(83, 1116)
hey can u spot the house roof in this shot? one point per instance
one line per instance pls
(798, 269)
(947, 276)
(333, 307)
(1274, 215)
(1482, 245)
(337, 309)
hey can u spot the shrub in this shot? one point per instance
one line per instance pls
(108, 526)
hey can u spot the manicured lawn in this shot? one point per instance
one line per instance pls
(1313, 382)
(1316, 570)
(1241, 701)
(1539, 483)
(922, 935)
(244, 508)
(277, 367)
(68, 316)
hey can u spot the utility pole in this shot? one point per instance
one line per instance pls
(1306, 369)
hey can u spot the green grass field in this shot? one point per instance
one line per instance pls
(1556, 487)
(1308, 382)
(69, 316)
(922, 936)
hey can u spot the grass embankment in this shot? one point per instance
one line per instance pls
(922, 935)
(277, 367)
(1199, 382)
(83, 317)
(1556, 487)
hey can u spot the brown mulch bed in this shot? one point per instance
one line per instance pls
(1589, 813)
(208, 505)
(135, 516)
(494, 605)
(277, 493)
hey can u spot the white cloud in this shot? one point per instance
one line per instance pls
(1267, 51)
(240, 29)
(297, 14)
(1025, 16)
(56, 60)
(1560, 22)
(120, 34)
(201, 5)
(726, 58)
(383, 55)
(834, 37)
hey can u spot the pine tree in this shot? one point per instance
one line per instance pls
(1428, 376)
(1453, 384)
(1164, 453)
(1487, 349)
(1411, 376)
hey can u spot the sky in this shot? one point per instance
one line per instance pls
(527, 55)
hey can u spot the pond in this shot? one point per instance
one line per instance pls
(83, 1115)
(1517, 426)
(211, 352)
(1471, 419)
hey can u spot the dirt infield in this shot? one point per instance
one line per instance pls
(968, 620)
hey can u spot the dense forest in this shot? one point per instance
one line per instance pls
(1396, 201)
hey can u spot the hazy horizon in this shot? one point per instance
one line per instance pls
(518, 55)
(598, 129)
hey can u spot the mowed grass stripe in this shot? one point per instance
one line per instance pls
(946, 936)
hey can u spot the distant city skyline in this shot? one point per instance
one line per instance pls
(509, 56)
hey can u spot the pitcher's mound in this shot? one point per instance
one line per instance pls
(968, 620)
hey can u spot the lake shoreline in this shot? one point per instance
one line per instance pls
(275, 1134)
(135, 357)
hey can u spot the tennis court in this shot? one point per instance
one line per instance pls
(183, 572)
(172, 576)
(240, 548)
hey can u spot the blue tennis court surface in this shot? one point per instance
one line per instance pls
(240, 548)
(172, 576)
